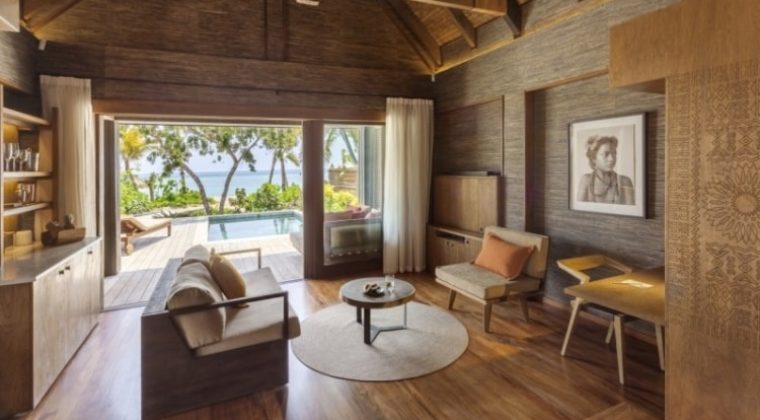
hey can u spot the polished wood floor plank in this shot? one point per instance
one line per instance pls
(515, 372)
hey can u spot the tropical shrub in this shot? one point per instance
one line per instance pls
(338, 200)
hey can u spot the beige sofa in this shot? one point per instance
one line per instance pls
(199, 348)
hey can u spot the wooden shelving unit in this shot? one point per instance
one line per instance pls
(25, 175)
(37, 134)
(15, 211)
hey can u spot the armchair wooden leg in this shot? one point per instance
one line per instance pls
(660, 331)
(576, 304)
(524, 307)
(610, 330)
(620, 347)
(487, 316)
(452, 296)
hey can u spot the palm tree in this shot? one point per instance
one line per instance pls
(281, 142)
(350, 138)
(133, 146)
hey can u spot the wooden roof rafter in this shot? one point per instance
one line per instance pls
(416, 33)
(513, 17)
(490, 7)
(36, 14)
(465, 27)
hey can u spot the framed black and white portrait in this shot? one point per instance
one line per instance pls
(608, 165)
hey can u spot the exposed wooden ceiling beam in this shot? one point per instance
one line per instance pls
(465, 27)
(514, 17)
(414, 31)
(489, 7)
(38, 13)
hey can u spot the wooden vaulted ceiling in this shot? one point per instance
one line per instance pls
(393, 34)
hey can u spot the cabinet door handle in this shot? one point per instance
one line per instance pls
(61, 272)
(90, 252)
(68, 268)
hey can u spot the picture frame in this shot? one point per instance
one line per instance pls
(607, 165)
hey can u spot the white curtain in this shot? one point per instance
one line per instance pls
(408, 163)
(76, 147)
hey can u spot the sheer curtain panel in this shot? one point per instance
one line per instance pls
(76, 146)
(408, 163)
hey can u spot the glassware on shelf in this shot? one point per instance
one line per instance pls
(10, 152)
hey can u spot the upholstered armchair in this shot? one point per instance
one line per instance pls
(488, 287)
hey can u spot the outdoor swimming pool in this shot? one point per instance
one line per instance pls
(240, 226)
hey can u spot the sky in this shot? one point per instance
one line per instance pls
(209, 163)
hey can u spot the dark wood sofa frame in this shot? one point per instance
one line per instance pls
(174, 379)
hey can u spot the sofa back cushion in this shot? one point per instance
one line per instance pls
(197, 253)
(502, 257)
(227, 277)
(195, 286)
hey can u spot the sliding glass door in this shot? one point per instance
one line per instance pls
(353, 193)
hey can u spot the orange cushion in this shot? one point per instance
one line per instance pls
(227, 277)
(502, 257)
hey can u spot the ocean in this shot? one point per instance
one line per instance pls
(251, 181)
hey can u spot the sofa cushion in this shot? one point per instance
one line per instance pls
(197, 253)
(192, 286)
(227, 277)
(502, 257)
(259, 323)
(482, 283)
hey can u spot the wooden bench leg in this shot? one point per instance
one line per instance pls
(169, 229)
(660, 331)
(487, 316)
(620, 347)
(128, 246)
(576, 304)
(524, 307)
(452, 296)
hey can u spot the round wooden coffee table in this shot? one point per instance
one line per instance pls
(353, 294)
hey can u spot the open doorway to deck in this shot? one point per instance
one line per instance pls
(232, 187)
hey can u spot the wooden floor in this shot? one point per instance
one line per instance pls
(515, 372)
(140, 270)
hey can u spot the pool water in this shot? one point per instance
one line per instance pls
(253, 225)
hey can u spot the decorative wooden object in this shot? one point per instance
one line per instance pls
(468, 203)
(689, 36)
(50, 302)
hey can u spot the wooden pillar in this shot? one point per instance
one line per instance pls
(313, 198)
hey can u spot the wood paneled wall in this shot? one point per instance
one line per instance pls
(17, 61)
(469, 138)
(151, 75)
(635, 241)
(713, 243)
(573, 48)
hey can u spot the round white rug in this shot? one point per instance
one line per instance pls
(332, 342)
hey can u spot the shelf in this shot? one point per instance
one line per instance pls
(14, 211)
(20, 175)
(22, 120)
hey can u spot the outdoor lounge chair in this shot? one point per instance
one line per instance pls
(133, 228)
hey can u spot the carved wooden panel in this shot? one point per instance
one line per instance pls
(713, 243)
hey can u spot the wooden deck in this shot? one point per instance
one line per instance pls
(140, 270)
